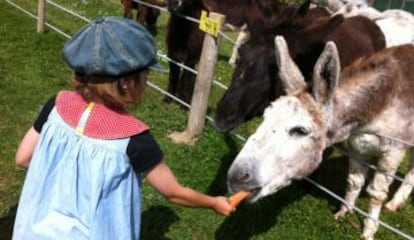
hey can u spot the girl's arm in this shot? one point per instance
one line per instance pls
(27, 145)
(163, 180)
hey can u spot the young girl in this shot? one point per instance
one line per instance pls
(86, 155)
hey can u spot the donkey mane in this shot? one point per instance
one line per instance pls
(374, 88)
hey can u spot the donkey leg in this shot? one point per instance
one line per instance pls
(378, 188)
(152, 17)
(186, 83)
(127, 8)
(363, 146)
(356, 179)
(142, 14)
(174, 75)
(404, 191)
(234, 54)
(241, 38)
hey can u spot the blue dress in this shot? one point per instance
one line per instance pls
(78, 187)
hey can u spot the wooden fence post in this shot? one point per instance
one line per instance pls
(41, 16)
(202, 88)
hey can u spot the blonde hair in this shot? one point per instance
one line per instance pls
(113, 92)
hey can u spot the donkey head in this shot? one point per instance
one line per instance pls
(255, 82)
(290, 141)
(252, 88)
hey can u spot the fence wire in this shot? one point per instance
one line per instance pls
(191, 19)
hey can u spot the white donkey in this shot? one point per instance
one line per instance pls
(242, 37)
(335, 5)
(372, 97)
(396, 24)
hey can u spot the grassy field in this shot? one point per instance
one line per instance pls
(31, 70)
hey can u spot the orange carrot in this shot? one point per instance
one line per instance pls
(236, 198)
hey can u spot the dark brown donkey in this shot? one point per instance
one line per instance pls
(184, 39)
(145, 15)
(255, 82)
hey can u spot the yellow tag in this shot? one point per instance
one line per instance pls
(208, 25)
(89, 106)
(79, 130)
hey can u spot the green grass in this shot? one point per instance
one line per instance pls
(31, 70)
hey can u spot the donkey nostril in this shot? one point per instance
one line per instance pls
(243, 177)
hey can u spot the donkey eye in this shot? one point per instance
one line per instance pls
(298, 131)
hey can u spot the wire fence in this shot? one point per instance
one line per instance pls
(407, 5)
(404, 3)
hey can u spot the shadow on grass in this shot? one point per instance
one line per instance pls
(7, 222)
(254, 219)
(222, 57)
(153, 30)
(152, 227)
(219, 185)
(332, 174)
(249, 219)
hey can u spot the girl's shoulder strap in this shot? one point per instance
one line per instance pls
(102, 122)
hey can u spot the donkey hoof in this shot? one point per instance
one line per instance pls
(341, 213)
(167, 99)
(370, 228)
(391, 207)
(368, 237)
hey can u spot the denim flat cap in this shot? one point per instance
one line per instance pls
(111, 46)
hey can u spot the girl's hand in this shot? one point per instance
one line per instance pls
(222, 206)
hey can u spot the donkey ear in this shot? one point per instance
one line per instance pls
(326, 72)
(289, 73)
